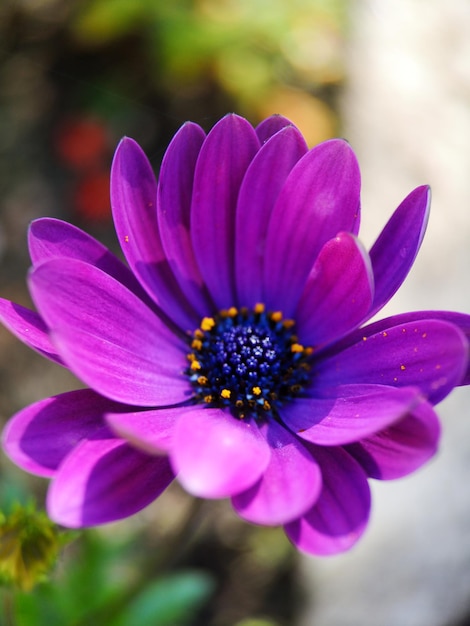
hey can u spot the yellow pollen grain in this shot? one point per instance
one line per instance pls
(196, 344)
(225, 393)
(191, 357)
(259, 308)
(308, 351)
(364, 339)
(207, 323)
(402, 367)
(257, 391)
(208, 399)
(288, 324)
(232, 311)
(266, 405)
(297, 347)
(198, 334)
(239, 404)
(276, 316)
(384, 334)
(195, 365)
(202, 380)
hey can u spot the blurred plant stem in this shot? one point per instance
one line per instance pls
(155, 565)
(8, 608)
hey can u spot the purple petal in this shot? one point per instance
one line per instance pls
(133, 199)
(401, 448)
(349, 413)
(338, 293)
(104, 480)
(174, 193)
(39, 437)
(107, 336)
(216, 455)
(151, 431)
(222, 163)
(28, 326)
(461, 320)
(319, 199)
(50, 238)
(340, 515)
(270, 126)
(259, 191)
(288, 487)
(428, 354)
(395, 250)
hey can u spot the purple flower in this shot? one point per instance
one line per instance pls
(231, 352)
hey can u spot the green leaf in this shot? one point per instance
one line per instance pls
(168, 601)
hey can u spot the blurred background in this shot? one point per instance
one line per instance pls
(394, 80)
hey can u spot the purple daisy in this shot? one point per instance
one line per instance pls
(231, 352)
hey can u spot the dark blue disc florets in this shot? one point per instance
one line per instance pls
(248, 361)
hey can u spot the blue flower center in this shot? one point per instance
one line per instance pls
(249, 361)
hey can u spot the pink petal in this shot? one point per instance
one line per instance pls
(340, 515)
(174, 194)
(319, 199)
(133, 200)
(395, 250)
(224, 157)
(151, 430)
(259, 191)
(104, 480)
(349, 412)
(426, 353)
(39, 437)
(270, 126)
(107, 336)
(401, 448)
(216, 455)
(338, 293)
(29, 328)
(288, 487)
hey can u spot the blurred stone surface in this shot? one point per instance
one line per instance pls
(407, 115)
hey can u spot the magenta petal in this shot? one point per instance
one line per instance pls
(401, 448)
(270, 126)
(259, 191)
(40, 436)
(349, 413)
(174, 193)
(216, 455)
(104, 480)
(107, 336)
(151, 430)
(428, 354)
(29, 327)
(338, 293)
(319, 199)
(221, 166)
(288, 487)
(50, 238)
(340, 515)
(395, 250)
(133, 199)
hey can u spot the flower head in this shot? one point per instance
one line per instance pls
(232, 350)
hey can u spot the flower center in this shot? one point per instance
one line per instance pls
(247, 360)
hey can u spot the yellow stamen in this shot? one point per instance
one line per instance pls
(195, 365)
(276, 316)
(191, 357)
(232, 312)
(198, 334)
(226, 393)
(202, 380)
(266, 406)
(256, 391)
(208, 399)
(207, 323)
(259, 308)
(288, 323)
(196, 344)
(297, 347)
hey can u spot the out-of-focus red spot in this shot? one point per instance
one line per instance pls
(92, 197)
(81, 142)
